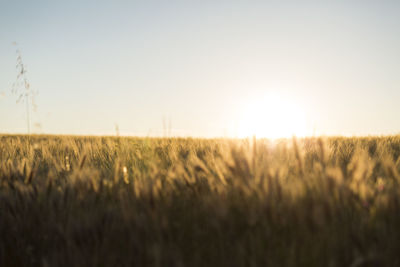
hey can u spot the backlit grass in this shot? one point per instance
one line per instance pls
(108, 201)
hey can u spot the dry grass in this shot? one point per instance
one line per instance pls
(87, 201)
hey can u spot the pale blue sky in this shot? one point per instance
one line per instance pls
(132, 63)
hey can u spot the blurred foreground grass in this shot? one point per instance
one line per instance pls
(105, 201)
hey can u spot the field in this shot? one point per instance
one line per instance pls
(118, 201)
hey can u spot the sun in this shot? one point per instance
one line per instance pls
(272, 116)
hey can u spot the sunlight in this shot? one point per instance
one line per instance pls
(272, 116)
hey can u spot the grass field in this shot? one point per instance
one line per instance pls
(108, 201)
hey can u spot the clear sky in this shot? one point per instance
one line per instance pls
(198, 64)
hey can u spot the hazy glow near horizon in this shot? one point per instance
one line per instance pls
(203, 68)
(272, 116)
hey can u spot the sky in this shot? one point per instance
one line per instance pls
(196, 66)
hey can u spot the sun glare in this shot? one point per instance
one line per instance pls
(272, 117)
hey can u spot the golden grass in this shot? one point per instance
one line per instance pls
(115, 201)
